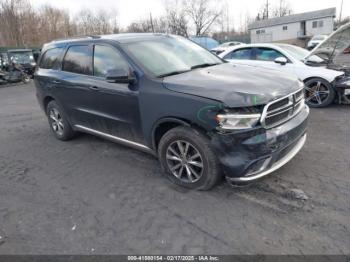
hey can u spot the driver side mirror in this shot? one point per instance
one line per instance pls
(121, 76)
(281, 60)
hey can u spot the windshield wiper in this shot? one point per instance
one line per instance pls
(204, 65)
(173, 73)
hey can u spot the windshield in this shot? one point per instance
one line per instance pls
(225, 44)
(333, 51)
(170, 55)
(22, 57)
(295, 51)
(319, 37)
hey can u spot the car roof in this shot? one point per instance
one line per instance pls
(268, 45)
(120, 38)
(274, 45)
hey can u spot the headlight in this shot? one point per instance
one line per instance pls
(229, 121)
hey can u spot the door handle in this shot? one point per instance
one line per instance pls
(56, 81)
(95, 88)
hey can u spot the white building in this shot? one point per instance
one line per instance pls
(293, 29)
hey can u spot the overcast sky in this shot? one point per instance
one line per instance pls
(131, 10)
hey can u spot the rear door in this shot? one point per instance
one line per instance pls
(75, 89)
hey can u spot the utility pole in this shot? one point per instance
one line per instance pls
(150, 16)
(341, 10)
(280, 14)
(267, 9)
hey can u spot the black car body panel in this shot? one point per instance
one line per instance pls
(135, 111)
(241, 152)
(217, 83)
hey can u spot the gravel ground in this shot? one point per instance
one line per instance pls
(90, 196)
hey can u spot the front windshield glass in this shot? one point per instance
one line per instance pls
(170, 55)
(319, 37)
(295, 51)
(225, 44)
(22, 57)
(333, 50)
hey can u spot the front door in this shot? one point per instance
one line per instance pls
(265, 57)
(118, 105)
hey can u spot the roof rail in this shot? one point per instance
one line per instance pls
(77, 38)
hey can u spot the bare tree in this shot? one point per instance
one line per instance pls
(176, 18)
(203, 14)
(284, 8)
(12, 12)
(281, 9)
(96, 23)
(157, 25)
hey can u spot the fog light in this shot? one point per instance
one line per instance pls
(258, 166)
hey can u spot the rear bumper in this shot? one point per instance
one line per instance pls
(249, 155)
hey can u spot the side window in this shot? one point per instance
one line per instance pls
(107, 58)
(241, 54)
(267, 54)
(51, 58)
(78, 60)
(314, 24)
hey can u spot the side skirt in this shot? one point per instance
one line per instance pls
(115, 139)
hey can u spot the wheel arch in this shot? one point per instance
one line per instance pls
(165, 124)
(47, 99)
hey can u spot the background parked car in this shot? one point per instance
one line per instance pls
(290, 59)
(334, 53)
(221, 48)
(23, 58)
(317, 39)
(206, 42)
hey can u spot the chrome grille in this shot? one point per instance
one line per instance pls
(280, 110)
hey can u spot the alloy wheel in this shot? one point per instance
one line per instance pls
(316, 93)
(184, 161)
(56, 121)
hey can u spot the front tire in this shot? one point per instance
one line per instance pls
(58, 122)
(318, 93)
(188, 160)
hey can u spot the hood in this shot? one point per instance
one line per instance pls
(234, 85)
(334, 52)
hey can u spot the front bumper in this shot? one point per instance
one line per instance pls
(250, 155)
(279, 163)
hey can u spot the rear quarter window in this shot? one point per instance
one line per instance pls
(51, 58)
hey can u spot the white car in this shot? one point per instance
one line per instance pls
(316, 40)
(221, 48)
(319, 89)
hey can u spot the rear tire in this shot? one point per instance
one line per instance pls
(318, 93)
(58, 122)
(187, 159)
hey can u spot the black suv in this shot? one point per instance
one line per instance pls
(166, 95)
